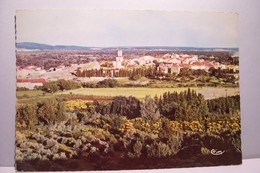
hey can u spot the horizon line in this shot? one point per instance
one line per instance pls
(123, 46)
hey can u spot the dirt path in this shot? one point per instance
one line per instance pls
(212, 93)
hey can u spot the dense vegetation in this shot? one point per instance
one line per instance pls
(152, 72)
(170, 130)
(212, 77)
(59, 85)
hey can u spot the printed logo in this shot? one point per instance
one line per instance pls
(216, 152)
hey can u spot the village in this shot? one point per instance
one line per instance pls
(32, 76)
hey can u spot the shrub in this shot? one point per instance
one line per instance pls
(51, 111)
(72, 105)
(50, 143)
(205, 151)
(107, 83)
(137, 148)
(174, 144)
(21, 89)
(28, 115)
(158, 150)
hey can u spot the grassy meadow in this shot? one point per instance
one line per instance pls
(138, 92)
(112, 92)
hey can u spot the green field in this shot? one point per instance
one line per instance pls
(111, 92)
(139, 92)
(29, 93)
(31, 96)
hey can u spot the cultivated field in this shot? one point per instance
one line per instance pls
(29, 93)
(31, 96)
(112, 92)
(212, 93)
(209, 93)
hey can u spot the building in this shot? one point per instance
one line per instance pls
(198, 66)
(169, 68)
(30, 83)
(119, 59)
(174, 69)
(174, 61)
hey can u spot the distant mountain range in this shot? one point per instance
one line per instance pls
(39, 46)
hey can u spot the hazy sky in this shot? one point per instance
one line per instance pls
(104, 28)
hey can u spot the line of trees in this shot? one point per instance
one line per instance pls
(59, 85)
(63, 85)
(225, 106)
(186, 74)
(49, 111)
(130, 73)
(183, 106)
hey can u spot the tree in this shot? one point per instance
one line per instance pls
(51, 87)
(28, 115)
(135, 75)
(199, 72)
(168, 104)
(67, 84)
(149, 109)
(51, 111)
(185, 72)
(126, 106)
(158, 150)
(228, 105)
(183, 106)
(107, 83)
(137, 148)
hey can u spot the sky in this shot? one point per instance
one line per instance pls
(116, 28)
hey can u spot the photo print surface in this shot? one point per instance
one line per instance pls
(125, 89)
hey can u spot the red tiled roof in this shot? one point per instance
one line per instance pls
(31, 81)
(206, 63)
(184, 65)
(198, 63)
(175, 65)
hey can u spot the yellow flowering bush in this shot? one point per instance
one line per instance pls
(230, 125)
(72, 105)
